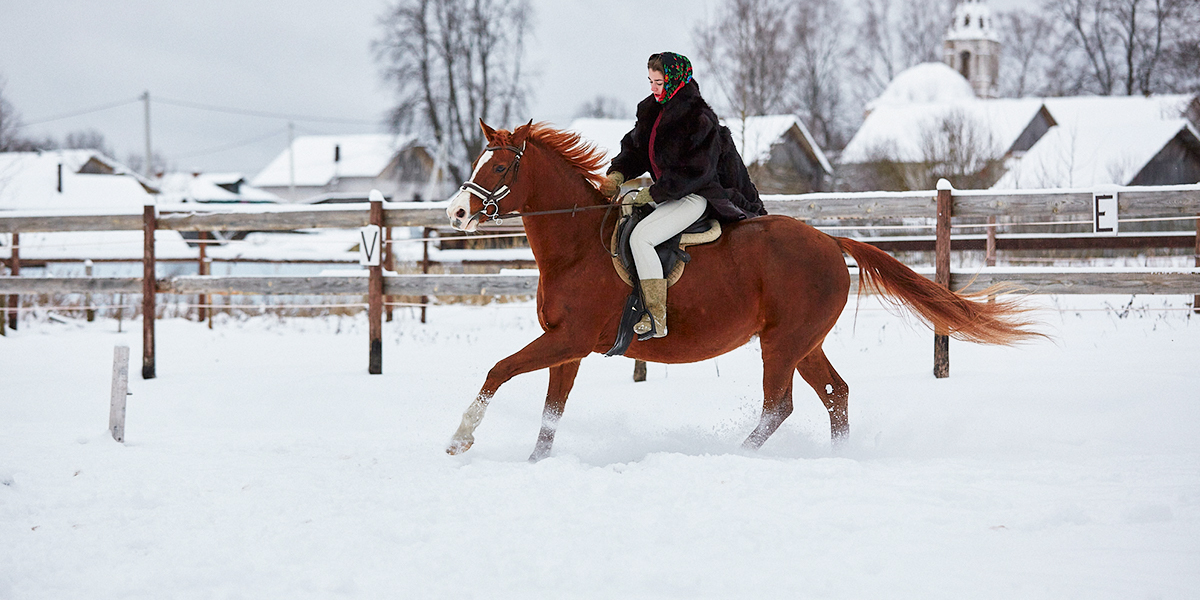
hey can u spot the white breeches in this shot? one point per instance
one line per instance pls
(661, 225)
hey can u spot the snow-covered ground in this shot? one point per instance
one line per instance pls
(264, 462)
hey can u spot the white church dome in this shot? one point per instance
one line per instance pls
(926, 82)
(973, 21)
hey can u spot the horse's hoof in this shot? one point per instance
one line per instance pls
(458, 447)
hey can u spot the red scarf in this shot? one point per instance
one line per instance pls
(654, 134)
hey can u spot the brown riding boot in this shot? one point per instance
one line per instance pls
(655, 293)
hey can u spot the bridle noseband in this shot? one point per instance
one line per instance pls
(491, 198)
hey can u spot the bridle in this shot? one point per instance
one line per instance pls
(491, 198)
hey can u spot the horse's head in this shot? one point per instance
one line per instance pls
(493, 189)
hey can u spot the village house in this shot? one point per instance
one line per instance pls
(345, 168)
(939, 120)
(211, 188)
(68, 180)
(77, 182)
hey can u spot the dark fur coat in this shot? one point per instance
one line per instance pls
(694, 153)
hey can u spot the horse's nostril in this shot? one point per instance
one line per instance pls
(460, 213)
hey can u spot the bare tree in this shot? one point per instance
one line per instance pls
(136, 162)
(603, 107)
(452, 62)
(745, 48)
(895, 35)
(10, 121)
(1125, 42)
(818, 29)
(1028, 39)
(961, 149)
(1180, 67)
(88, 139)
(11, 139)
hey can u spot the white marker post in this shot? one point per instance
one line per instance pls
(120, 389)
(1104, 213)
(370, 246)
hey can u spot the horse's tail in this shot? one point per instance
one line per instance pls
(961, 316)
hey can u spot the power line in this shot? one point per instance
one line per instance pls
(231, 146)
(260, 113)
(86, 111)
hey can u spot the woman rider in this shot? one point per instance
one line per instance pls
(695, 167)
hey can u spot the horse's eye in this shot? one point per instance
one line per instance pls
(500, 168)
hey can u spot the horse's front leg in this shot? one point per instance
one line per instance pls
(551, 349)
(562, 378)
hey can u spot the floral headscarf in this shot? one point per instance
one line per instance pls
(678, 71)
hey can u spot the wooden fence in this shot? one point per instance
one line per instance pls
(1075, 206)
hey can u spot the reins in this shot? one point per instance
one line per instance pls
(491, 198)
(574, 209)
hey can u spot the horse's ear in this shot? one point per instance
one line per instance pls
(521, 133)
(488, 132)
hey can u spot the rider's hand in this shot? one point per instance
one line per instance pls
(643, 197)
(612, 184)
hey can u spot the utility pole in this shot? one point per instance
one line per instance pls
(146, 104)
(291, 162)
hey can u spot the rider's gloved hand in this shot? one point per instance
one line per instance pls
(611, 185)
(643, 197)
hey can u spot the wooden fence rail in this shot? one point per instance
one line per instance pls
(946, 204)
(1157, 201)
(1033, 280)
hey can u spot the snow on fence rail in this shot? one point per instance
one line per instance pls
(1180, 202)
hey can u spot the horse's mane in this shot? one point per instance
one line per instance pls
(581, 154)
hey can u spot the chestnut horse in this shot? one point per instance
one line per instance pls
(770, 276)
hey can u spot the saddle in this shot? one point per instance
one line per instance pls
(672, 254)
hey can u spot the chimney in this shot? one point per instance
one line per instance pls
(60, 178)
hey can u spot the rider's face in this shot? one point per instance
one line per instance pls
(657, 82)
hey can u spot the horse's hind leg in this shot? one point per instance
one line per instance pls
(831, 388)
(777, 399)
(562, 378)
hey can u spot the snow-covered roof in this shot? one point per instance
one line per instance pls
(204, 187)
(1078, 153)
(1097, 111)
(897, 131)
(359, 155)
(926, 82)
(761, 133)
(757, 135)
(1098, 140)
(29, 181)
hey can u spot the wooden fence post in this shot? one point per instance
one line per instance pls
(389, 261)
(89, 311)
(14, 269)
(424, 266)
(149, 289)
(639, 370)
(941, 341)
(202, 299)
(375, 292)
(990, 255)
(120, 389)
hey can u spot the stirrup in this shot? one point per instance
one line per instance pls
(646, 325)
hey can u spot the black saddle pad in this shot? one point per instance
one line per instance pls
(669, 253)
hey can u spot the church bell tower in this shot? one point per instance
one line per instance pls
(972, 47)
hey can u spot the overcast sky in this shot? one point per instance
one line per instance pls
(299, 57)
